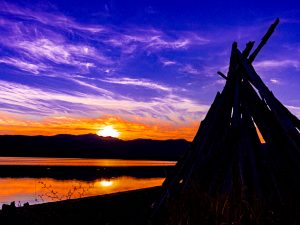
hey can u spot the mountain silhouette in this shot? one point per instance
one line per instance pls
(91, 146)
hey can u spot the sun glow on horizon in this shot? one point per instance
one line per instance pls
(108, 131)
(128, 129)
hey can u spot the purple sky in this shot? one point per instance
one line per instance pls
(147, 61)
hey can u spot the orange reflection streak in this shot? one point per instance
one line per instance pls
(261, 138)
(126, 183)
(129, 128)
(35, 190)
(36, 161)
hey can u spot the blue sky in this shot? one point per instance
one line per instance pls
(146, 62)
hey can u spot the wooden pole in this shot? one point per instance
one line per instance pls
(248, 48)
(264, 40)
(222, 75)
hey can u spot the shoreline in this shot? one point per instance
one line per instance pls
(129, 207)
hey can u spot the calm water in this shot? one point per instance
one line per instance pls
(40, 190)
(37, 161)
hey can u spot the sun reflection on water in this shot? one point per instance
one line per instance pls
(106, 183)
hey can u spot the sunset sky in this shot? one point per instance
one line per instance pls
(148, 68)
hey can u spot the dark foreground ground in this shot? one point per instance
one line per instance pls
(126, 208)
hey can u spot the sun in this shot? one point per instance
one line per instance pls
(108, 131)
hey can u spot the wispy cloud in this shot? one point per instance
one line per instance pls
(202, 70)
(52, 18)
(92, 86)
(138, 82)
(167, 62)
(274, 81)
(45, 51)
(267, 64)
(190, 69)
(39, 37)
(295, 110)
(23, 65)
(22, 98)
(153, 40)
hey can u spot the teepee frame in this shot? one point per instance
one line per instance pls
(228, 176)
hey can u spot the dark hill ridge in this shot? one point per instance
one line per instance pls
(91, 146)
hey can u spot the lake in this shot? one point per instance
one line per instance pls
(27, 179)
(38, 161)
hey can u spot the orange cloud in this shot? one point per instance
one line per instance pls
(129, 128)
